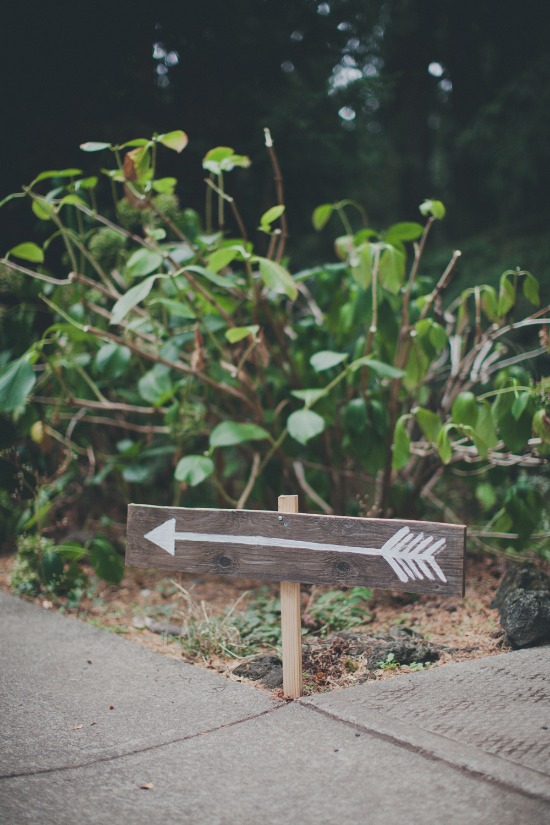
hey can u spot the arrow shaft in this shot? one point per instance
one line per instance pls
(270, 541)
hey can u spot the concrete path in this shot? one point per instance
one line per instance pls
(87, 719)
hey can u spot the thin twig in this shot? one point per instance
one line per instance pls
(250, 483)
(278, 180)
(308, 489)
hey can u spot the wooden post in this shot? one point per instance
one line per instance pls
(291, 622)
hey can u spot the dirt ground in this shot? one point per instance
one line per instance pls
(464, 628)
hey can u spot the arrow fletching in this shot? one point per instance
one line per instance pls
(411, 555)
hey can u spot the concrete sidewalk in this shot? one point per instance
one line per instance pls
(88, 718)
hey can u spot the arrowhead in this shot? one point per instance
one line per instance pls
(164, 536)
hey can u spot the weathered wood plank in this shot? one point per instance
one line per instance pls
(273, 546)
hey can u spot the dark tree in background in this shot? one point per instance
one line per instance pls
(385, 101)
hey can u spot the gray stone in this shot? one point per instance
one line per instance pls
(405, 645)
(525, 617)
(523, 576)
(267, 669)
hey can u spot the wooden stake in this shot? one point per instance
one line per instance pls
(291, 622)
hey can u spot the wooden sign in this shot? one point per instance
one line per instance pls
(419, 556)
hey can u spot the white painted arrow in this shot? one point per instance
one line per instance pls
(410, 555)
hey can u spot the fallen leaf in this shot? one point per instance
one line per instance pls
(147, 787)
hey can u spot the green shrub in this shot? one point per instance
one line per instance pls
(188, 365)
(41, 567)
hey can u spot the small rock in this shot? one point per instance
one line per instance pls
(520, 577)
(166, 628)
(523, 602)
(525, 617)
(267, 669)
(406, 645)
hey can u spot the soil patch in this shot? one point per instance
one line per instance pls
(148, 606)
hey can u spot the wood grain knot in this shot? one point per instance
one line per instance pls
(343, 568)
(224, 563)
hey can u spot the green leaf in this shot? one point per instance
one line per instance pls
(438, 336)
(87, 183)
(322, 215)
(220, 280)
(401, 448)
(222, 258)
(238, 333)
(71, 200)
(464, 409)
(165, 186)
(520, 403)
(277, 278)
(379, 367)
(223, 159)
(132, 298)
(177, 309)
(344, 247)
(135, 143)
(531, 289)
(485, 427)
(356, 416)
(156, 387)
(229, 433)
(444, 445)
(326, 359)
(433, 208)
(16, 382)
(28, 251)
(105, 560)
(57, 173)
(42, 209)
(94, 146)
(112, 359)
(392, 269)
(524, 504)
(176, 140)
(361, 265)
(489, 302)
(137, 473)
(309, 397)
(142, 262)
(486, 495)
(406, 231)
(429, 423)
(271, 215)
(194, 469)
(506, 294)
(304, 425)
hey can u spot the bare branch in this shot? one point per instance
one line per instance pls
(250, 483)
(308, 489)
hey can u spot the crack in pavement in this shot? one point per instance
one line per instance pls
(434, 757)
(389, 738)
(145, 749)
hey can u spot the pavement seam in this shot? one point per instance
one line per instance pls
(135, 751)
(423, 751)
